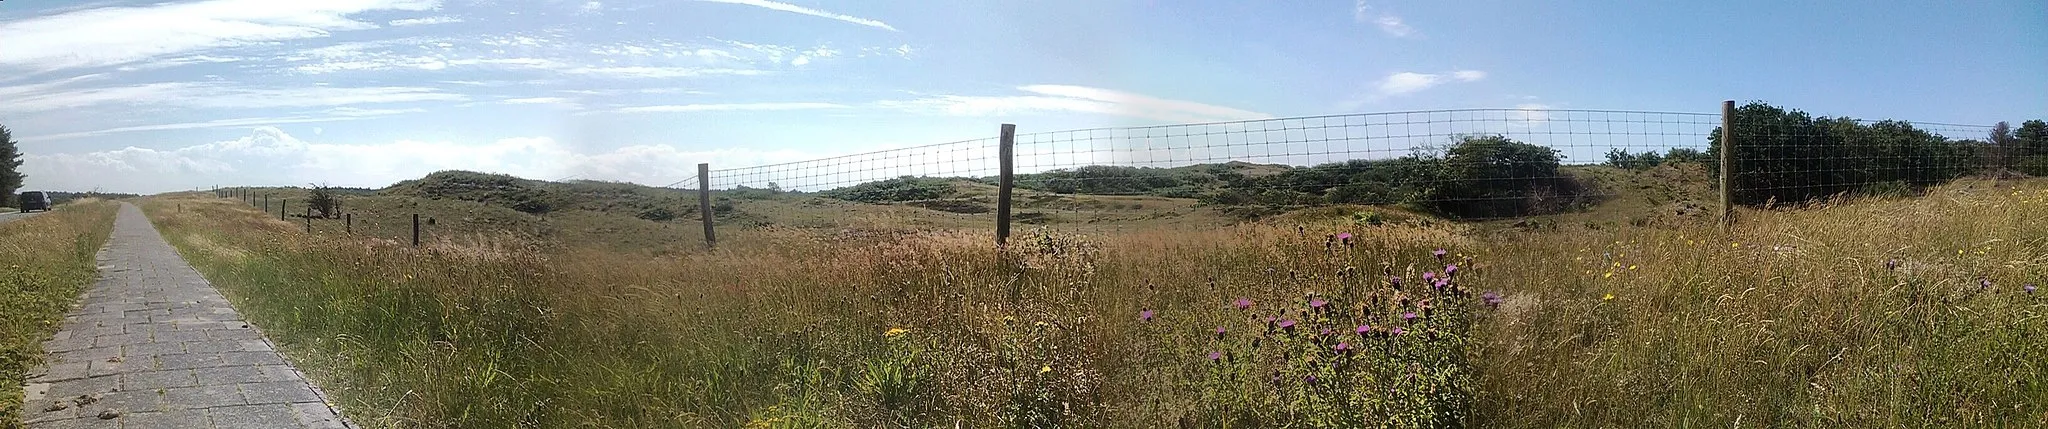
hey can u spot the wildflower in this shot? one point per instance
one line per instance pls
(1450, 269)
(1327, 332)
(1311, 378)
(1429, 275)
(1243, 303)
(1441, 283)
(1891, 264)
(1408, 316)
(1044, 369)
(1287, 324)
(1215, 356)
(1396, 280)
(1608, 297)
(1397, 331)
(1145, 315)
(2029, 287)
(1317, 303)
(893, 332)
(1219, 331)
(1983, 283)
(1491, 298)
(1346, 236)
(1609, 275)
(1735, 244)
(1631, 268)
(1439, 254)
(1343, 347)
(1364, 329)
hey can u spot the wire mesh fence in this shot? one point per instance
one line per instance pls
(1465, 163)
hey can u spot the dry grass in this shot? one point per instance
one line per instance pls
(1790, 320)
(45, 261)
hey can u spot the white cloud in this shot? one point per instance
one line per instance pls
(1410, 82)
(539, 100)
(818, 52)
(270, 156)
(1527, 114)
(1388, 22)
(432, 20)
(661, 72)
(786, 7)
(590, 8)
(221, 96)
(729, 107)
(1069, 98)
(117, 35)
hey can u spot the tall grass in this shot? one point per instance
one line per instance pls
(1790, 320)
(45, 261)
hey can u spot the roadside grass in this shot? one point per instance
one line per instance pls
(45, 262)
(1791, 319)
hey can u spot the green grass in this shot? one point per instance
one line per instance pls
(45, 261)
(1791, 319)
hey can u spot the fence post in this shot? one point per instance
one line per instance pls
(415, 230)
(1007, 154)
(704, 203)
(348, 223)
(309, 224)
(1727, 163)
(280, 207)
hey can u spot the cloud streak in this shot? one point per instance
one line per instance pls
(1074, 99)
(1402, 83)
(110, 36)
(685, 108)
(786, 7)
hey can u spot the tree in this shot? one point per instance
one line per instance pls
(10, 166)
(1494, 176)
(2032, 136)
(2003, 148)
(323, 203)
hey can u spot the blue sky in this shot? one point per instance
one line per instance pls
(142, 96)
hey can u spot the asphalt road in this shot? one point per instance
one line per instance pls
(10, 217)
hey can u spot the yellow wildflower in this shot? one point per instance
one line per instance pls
(1044, 369)
(1631, 268)
(1609, 275)
(893, 332)
(1609, 297)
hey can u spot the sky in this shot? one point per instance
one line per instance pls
(157, 96)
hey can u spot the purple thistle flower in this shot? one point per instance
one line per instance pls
(1220, 330)
(1364, 329)
(1215, 356)
(1395, 280)
(1242, 303)
(1343, 347)
(1429, 275)
(1891, 264)
(1491, 298)
(2029, 287)
(1408, 316)
(1317, 303)
(1271, 319)
(1343, 236)
(1441, 283)
(1287, 324)
(1983, 283)
(1439, 254)
(1327, 332)
(1450, 269)
(1145, 315)
(1311, 379)
(1396, 331)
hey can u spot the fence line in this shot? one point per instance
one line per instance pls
(1440, 158)
(1465, 163)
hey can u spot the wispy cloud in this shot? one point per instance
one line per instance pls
(220, 96)
(109, 36)
(217, 123)
(729, 107)
(1388, 22)
(786, 7)
(540, 100)
(1080, 99)
(432, 20)
(1411, 82)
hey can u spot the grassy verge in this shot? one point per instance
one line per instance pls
(47, 261)
(1793, 319)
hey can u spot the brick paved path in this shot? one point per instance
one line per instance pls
(155, 346)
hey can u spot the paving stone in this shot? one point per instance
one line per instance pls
(158, 347)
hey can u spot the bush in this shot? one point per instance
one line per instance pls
(1494, 176)
(906, 188)
(1788, 156)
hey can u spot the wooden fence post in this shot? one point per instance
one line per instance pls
(415, 230)
(348, 223)
(280, 207)
(1006, 152)
(704, 203)
(1727, 163)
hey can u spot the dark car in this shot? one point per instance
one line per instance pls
(35, 200)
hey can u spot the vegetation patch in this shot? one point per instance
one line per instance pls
(45, 262)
